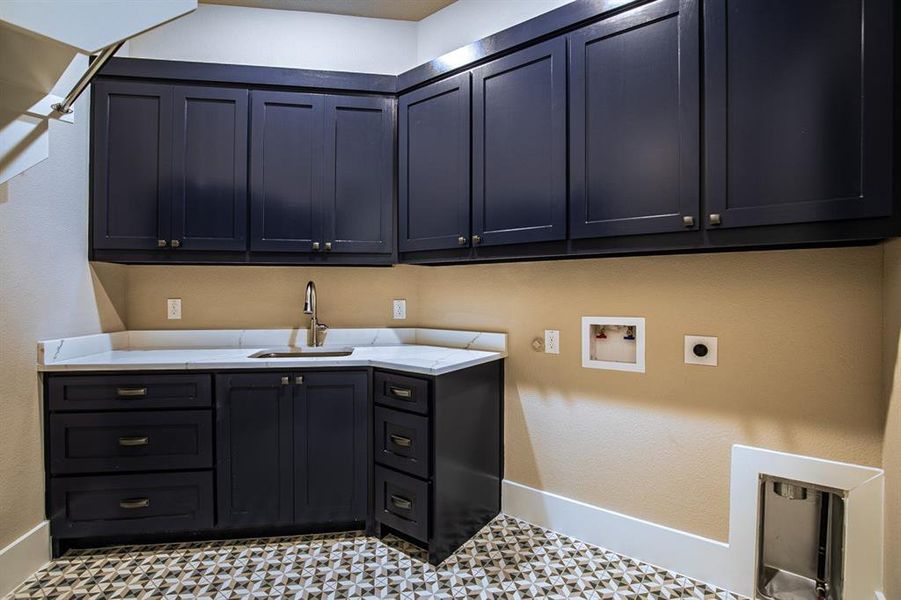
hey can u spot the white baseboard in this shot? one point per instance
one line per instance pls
(729, 565)
(23, 557)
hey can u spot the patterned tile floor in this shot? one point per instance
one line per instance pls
(507, 559)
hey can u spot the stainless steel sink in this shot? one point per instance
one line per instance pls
(304, 352)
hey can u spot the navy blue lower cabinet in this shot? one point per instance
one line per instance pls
(519, 147)
(798, 99)
(286, 164)
(209, 201)
(634, 122)
(433, 174)
(131, 129)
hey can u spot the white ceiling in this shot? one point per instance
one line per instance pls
(403, 10)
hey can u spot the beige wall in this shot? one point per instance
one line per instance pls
(800, 351)
(891, 459)
(47, 289)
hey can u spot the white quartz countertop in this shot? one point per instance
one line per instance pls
(422, 351)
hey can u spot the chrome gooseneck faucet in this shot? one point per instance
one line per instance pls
(309, 308)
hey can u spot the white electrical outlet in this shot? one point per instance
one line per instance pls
(700, 350)
(400, 309)
(173, 308)
(551, 341)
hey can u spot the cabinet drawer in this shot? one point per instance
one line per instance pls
(402, 441)
(131, 504)
(402, 502)
(131, 441)
(398, 391)
(123, 392)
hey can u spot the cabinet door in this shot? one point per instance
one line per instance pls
(634, 122)
(519, 147)
(131, 164)
(254, 437)
(331, 443)
(358, 185)
(433, 146)
(798, 99)
(209, 207)
(286, 165)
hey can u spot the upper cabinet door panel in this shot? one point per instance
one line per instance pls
(798, 102)
(433, 146)
(132, 161)
(358, 186)
(209, 209)
(634, 122)
(519, 146)
(286, 171)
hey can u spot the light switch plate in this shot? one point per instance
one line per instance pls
(400, 309)
(551, 341)
(173, 308)
(701, 350)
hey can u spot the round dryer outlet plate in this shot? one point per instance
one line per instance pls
(700, 350)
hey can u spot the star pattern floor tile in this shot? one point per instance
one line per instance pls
(508, 558)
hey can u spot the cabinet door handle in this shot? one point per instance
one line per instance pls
(328, 246)
(688, 221)
(131, 392)
(402, 393)
(176, 243)
(461, 241)
(161, 243)
(286, 381)
(715, 219)
(134, 440)
(315, 245)
(476, 239)
(132, 503)
(400, 440)
(401, 503)
(298, 380)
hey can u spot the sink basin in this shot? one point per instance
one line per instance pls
(304, 352)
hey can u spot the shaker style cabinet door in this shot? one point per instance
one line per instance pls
(798, 96)
(132, 162)
(634, 122)
(434, 153)
(519, 147)
(331, 447)
(254, 446)
(358, 182)
(286, 164)
(209, 204)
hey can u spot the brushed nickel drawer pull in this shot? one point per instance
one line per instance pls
(400, 440)
(132, 503)
(398, 392)
(131, 392)
(134, 440)
(401, 503)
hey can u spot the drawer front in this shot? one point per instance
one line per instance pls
(131, 504)
(129, 392)
(402, 502)
(402, 441)
(131, 441)
(398, 391)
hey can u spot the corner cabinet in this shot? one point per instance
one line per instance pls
(798, 111)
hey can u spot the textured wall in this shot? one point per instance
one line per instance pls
(800, 350)
(891, 459)
(47, 290)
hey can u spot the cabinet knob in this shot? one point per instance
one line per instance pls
(328, 246)
(286, 381)
(298, 380)
(176, 243)
(161, 243)
(315, 245)
(476, 239)
(461, 241)
(715, 219)
(688, 221)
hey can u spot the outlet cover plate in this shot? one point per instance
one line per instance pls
(708, 360)
(173, 308)
(551, 341)
(400, 309)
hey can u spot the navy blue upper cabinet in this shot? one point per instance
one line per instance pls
(519, 147)
(358, 182)
(286, 171)
(209, 201)
(434, 154)
(798, 110)
(132, 159)
(634, 122)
